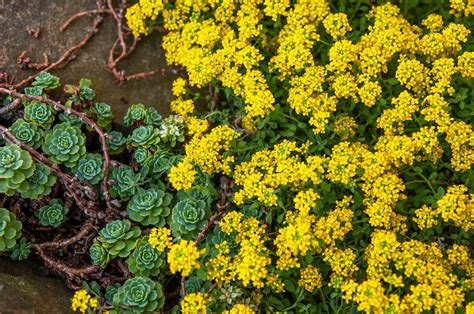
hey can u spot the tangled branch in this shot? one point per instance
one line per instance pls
(84, 118)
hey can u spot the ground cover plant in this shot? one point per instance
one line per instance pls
(318, 159)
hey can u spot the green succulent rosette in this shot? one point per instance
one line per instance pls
(116, 144)
(39, 184)
(53, 214)
(21, 250)
(27, 133)
(142, 156)
(136, 113)
(140, 295)
(103, 115)
(10, 230)
(33, 91)
(89, 169)
(110, 292)
(40, 114)
(162, 162)
(172, 130)
(150, 207)
(16, 165)
(71, 119)
(99, 255)
(65, 144)
(193, 284)
(153, 117)
(125, 182)
(46, 81)
(145, 261)
(188, 218)
(118, 238)
(145, 136)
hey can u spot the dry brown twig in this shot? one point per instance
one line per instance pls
(84, 118)
(67, 55)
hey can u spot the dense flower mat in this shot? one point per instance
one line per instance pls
(318, 160)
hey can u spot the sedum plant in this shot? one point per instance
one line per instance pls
(116, 144)
(10, 230)
(53, 214)
(188, 218)
(28, 133)
(46, 81)
(145, 261)
(118, 238)
(21, 250)
(153, 117)
(40, 114)
(145, 136)
(99, 254)
(89, 168)
(125, 182)
(150, 207)
(140, 295)
(103, 115)
(39, 184)
(64, 144)
(142, 156)
(172, 130)
(16, 166)
(135, 114)
(162, 162)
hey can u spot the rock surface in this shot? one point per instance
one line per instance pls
(16, 16)
(25, 289)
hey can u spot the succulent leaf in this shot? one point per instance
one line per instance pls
(10, 230)
(16, 165)
(65, 144)
(52, 214)
(140, 295)
(89, 168)
(27, 133)
(150, 207)
(39, 184)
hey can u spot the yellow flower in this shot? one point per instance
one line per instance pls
(240, 309)
(81, 301)
(337, 25)
(182, 176)
(194, 303)
(160, 238)
(179, 87)
(310, 278)
(183, 257)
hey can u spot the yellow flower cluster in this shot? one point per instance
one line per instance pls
(461, 7)
(82, 301)
(250, 265)
(337, 25)
(412, 264)
(160, 238)
(183, 257)
(208, 152)
(182, 176)
(268, 169)
(138, 14)
(310, 278)
(194, 303)
(240, 309)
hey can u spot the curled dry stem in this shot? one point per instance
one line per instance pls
(84, 118)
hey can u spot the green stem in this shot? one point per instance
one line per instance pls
(355, 10)
(212, 114)
(298, 299)
(427, 182)
(324, 42)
